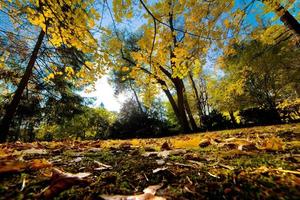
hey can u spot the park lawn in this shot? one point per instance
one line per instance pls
(249, 163)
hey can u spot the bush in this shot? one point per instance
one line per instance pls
(215, 121)
(259, 116)
(289, 110)
(132, 122)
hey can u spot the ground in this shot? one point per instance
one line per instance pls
(250, 163)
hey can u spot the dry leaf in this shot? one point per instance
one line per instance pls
(62, 181)
(39, 164)
(159, 169)
(204, 143)
(101, 166)
(165, 154)
(273, 144)
(31, 151)
(12, 166)
(165, 146)
(149, 194)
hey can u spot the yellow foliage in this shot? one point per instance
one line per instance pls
(49, 77)
(65, 22)
(69, 70)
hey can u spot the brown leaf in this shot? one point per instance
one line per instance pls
(101, 166)
(31, 151)
(273, 144)
(39, 164)
(4, 152)
(125, 146)
(15, 166)
(204, 143)
(247, 147)
(62, 181)
(149, 194)
(12, 166)
(165, 146)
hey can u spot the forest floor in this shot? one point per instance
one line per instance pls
(251, 163)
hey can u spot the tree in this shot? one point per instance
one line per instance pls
(253, 80)
(286, 17)
(132, 122)
(66, 23)
(179, 46)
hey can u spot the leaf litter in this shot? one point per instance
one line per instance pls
(253, 163)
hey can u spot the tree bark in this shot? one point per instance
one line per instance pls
(136, 97)
(12, 107)
(232, 118)
(181, 119)
(181, 103)
(199, 107)
(188, 110)
(288, 20)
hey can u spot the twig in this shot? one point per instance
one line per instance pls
(226, 166)
(215, 176)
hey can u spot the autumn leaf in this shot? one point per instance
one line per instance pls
(12, 166)
(39, 164)
(62, 181)
(16, 166)
(149, 194)
(273, 144)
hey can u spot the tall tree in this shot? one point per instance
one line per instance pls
(59, 22)
(257, 81)
(180, 39)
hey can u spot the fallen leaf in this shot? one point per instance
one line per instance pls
(12, 166)
(62, 181)
(149, 194)
(31, 151)
(159, 169)
(78, 159)
(5, 153)
(160, 162)
(101, 166)
(273, 144)
(247, 147)
(152, 189)
(165, 154)
(15, 166)
(204, 143)
(165, 146)
(39, 164)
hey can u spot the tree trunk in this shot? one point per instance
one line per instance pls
(288, 20)
(199, 107)
(188, 110)
(182, 120)
(12, 107)
(232, 118)
(181, 103)
(190, 115)
(136, 97)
